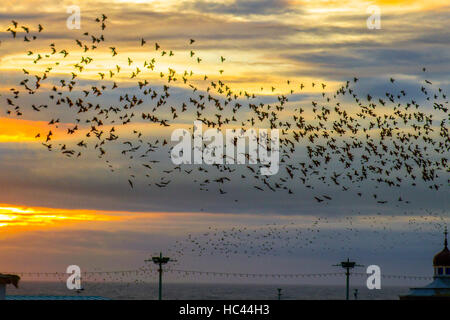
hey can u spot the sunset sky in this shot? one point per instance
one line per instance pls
(56, 211)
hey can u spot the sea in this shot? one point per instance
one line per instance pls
(206, 291)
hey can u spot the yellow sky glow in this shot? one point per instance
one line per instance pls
(17, 216)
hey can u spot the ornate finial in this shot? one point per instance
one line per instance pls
(445, 234)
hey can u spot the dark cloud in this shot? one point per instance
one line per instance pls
(242, 7)
(395, 251)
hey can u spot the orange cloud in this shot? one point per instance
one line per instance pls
(423, 3)
(352, 4)
(13, 215)
(16, 217)
(15, 130)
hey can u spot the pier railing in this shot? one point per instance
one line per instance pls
(146, 273)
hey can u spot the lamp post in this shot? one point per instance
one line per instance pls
(347, 265)
(160, 261)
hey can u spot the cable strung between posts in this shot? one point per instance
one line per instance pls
(217, 274)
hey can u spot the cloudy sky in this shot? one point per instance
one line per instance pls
(57, 211)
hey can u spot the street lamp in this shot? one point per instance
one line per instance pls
(160, 261)
(347, 265)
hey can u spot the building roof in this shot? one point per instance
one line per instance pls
(438, 283)
(443, 257)
(439, 288)
(9, 279)
(17, 297)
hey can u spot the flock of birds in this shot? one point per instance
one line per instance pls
(342, 139)
(321, 236)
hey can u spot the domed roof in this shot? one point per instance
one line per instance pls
(443, 257)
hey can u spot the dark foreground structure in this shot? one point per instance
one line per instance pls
(439, 289)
